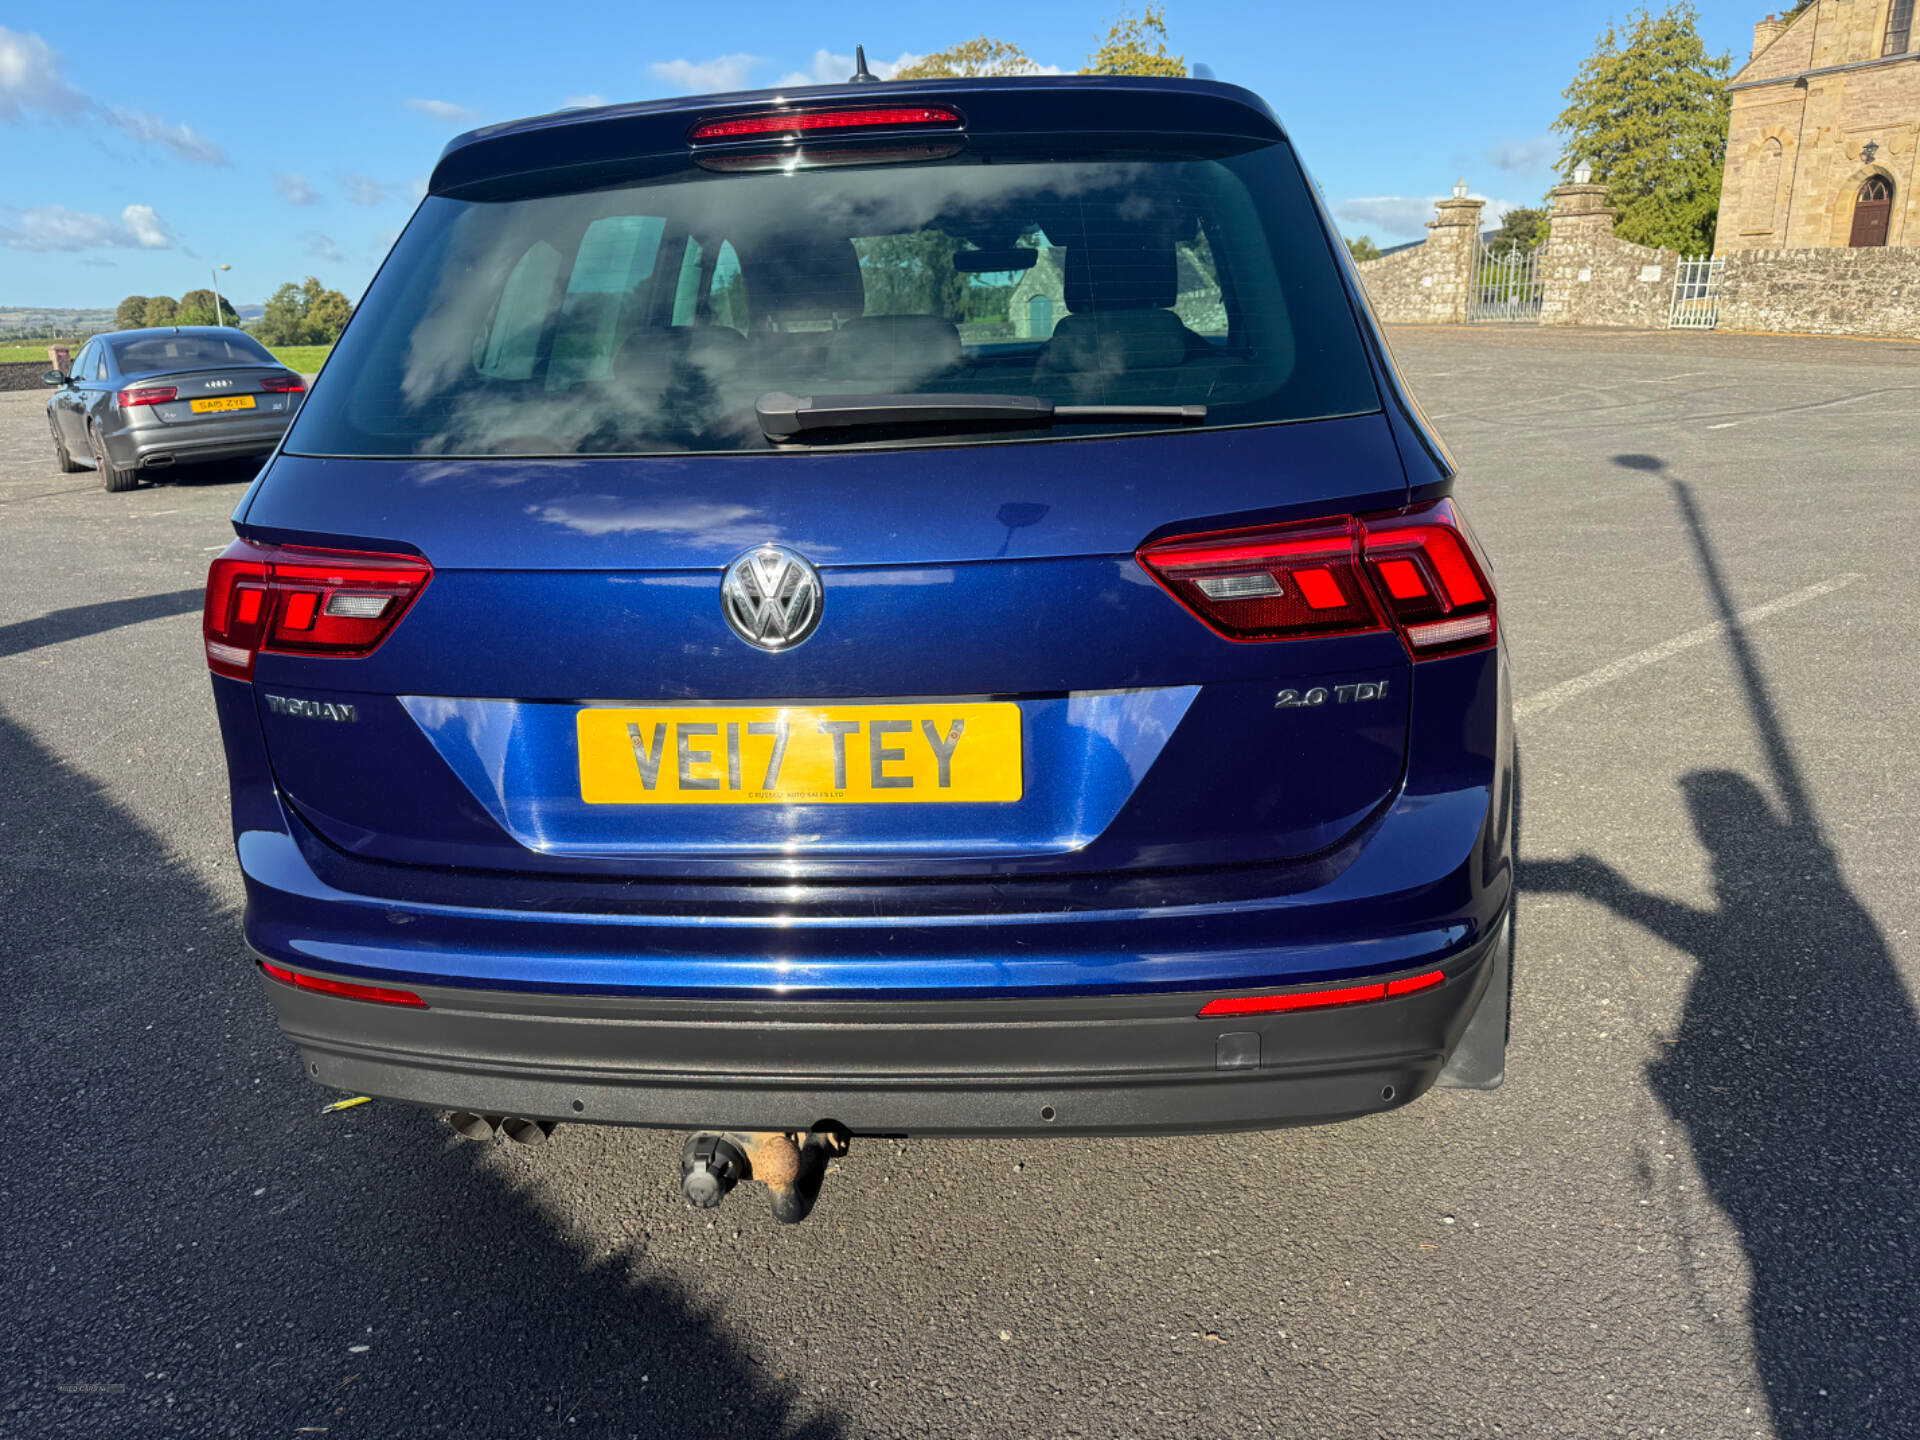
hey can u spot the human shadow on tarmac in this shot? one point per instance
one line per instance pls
(192, 1249)
(1794, 1073)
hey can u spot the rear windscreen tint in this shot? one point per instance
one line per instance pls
(650, 318)
(148, 354)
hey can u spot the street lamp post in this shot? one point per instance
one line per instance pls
(217, 318)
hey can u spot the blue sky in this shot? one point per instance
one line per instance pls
(295, 140)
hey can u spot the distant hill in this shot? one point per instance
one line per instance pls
(34, 321)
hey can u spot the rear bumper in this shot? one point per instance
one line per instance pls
(143, 447)
(1116, 1064)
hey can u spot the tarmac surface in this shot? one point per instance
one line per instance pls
(1692, 1211)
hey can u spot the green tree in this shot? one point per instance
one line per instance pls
(196, 308)
(160, 310)
(983, 56)
(328, 314)
(1363, 249)
(1521, 228)
(1136, 45)
(132, 313)
(1649, 112)
(303, 314)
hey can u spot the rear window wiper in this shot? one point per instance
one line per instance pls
(787, 417)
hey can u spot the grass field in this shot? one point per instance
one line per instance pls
(304, 358)
(10, 354)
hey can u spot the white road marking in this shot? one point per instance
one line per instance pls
(1725, 425)
(1558, 695)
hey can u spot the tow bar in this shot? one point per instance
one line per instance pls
(791, 1166)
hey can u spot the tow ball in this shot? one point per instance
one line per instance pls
(790, 1165)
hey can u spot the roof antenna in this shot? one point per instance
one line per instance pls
(860, 72)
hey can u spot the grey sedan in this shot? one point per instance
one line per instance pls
(144, 400)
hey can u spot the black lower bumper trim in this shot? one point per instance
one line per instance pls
(1135, 1064)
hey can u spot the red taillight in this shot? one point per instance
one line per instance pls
(1416, 570)
(1323, 999)
(303, 602)
(283, 385)
(145, 395)
(378, 994)
(777, 124)
(1270, 584)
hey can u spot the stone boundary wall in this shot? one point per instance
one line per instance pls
(1401, 287)
(1431, 284)
(22, 374)
(1603, 281)
(1866, 292)
(1591, 278)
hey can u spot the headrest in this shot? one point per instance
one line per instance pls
(1121, 270)
(801, 277)
(910, 347)
(1117, 342)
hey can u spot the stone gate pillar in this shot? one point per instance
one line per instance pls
(1453, 248)
(1579, 229)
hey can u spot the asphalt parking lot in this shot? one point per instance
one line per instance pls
(1693, 1210)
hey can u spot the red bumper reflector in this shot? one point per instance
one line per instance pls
(378, 994)
(1322, 999)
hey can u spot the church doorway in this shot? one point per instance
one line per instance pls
(1872, 212)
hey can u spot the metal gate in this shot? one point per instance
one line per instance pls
(1696, 294)
(1507, 285)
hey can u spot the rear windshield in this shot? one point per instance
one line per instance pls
(146, 354)
(650, 318)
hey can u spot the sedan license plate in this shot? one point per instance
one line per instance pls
(916, 754)
(223, 402)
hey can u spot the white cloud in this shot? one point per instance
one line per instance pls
(30, 80)
(362, 189)
(321, 247)
(148, 230)
(584, 102)
(56, 228)
(417, 188)
(1390, 214)
(1406, 216)
(830, 68)
(1526, 157)
(186, 142)
(699, 77)
(31, 83)
(295, 188)
(444, 110)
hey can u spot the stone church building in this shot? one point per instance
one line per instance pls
(1826, 114)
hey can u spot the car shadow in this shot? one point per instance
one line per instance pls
(194, 1248)
(78, 621)
(1793, 1072)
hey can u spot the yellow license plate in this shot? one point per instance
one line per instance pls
(801, 754)
(224, 402)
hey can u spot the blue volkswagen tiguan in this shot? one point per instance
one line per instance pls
(874, 609)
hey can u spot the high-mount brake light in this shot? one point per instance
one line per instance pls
(346, 990)
(145, 395)
(1416, 571)
(283, 385)
(303, 602)
(1323, 999)
(780, 124)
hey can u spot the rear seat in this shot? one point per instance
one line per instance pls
(901, 352)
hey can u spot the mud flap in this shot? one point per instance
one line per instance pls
(1479, 1062)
